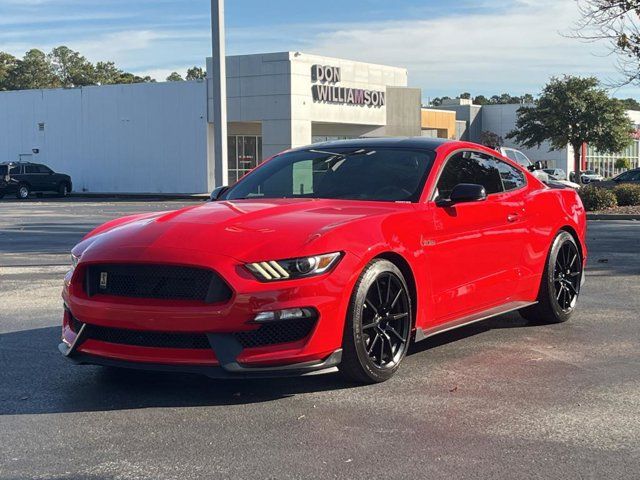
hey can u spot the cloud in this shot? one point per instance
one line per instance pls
(516, 51)
(481, 46)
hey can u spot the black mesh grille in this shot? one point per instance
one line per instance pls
(165, 282)
(277, 332)
(146, 339)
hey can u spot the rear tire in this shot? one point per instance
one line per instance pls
(560, 283)
(378, 326)
(23, 191)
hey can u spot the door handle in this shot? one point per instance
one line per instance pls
(512, 217)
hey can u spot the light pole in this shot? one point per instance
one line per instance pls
(219, 93)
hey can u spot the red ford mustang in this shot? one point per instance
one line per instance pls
(340, 254)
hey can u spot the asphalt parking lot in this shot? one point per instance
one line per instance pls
(499, 399)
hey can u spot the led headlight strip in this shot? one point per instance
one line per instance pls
(293, 268)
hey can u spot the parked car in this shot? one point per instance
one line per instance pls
(630, 176)
(555, 173)
(589, 176)
(520, 158)
(23, 178)
(339, 254)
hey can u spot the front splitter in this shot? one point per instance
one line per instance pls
(229, 370)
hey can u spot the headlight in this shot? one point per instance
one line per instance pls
(294, 267)
(74, 260)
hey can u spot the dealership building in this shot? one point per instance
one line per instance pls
(158, 137)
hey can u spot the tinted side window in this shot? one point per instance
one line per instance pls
(512, 178)
(31, 169)
(469, 167)
(43, 169)
(15, 170)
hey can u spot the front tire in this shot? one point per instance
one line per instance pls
(63, 189)
(378, 326)
(23, 192)
(560, 284)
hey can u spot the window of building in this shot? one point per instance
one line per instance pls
(245, 154)
(470, 167)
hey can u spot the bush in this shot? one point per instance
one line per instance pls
(627, 194)
(595, 198)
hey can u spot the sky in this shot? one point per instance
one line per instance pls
(479, 46)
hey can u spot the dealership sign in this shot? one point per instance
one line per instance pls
(325, 89)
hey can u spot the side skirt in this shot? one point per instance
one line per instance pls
(423, 334)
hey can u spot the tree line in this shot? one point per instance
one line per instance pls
(505, 98)
(63, 67)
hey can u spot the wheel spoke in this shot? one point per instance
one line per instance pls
(399, 316)
(388, 291)
(368, 303)
(395, 300)
(379, 291)
(390, 343)
(393, 330)
(373, 343)
(382, 351)
(371, 325)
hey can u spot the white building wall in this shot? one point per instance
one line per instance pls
(501, 119)
(121, 138)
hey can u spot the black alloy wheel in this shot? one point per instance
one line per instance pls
(567, 274)
(560, 283)
(378, 327)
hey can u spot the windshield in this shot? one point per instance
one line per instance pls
(380, 174)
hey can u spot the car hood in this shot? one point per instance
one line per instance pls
(248, 230)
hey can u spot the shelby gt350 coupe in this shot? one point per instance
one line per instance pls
(339, 254)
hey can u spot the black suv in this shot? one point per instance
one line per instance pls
(22, 178)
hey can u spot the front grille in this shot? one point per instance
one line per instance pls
(267, 334)
(138, 338)
(166, 282)
(276, 332)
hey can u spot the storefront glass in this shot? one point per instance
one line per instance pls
(245, 154)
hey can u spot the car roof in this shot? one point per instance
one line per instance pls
(425, 143)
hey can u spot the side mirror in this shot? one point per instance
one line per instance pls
(464, 193)
(217, 193)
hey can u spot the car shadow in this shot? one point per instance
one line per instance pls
(36, 379)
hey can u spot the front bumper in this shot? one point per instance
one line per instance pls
(218, 324)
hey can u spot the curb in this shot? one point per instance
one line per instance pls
(612, 216)
(143, 196)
